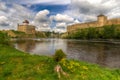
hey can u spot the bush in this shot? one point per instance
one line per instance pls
(59, 55)
(4, 39)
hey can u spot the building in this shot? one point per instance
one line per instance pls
(101, 21)
(25, 27)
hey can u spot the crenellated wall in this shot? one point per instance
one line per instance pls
(113, 21)
(101, 21)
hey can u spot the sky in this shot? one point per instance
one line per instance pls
(54, 15)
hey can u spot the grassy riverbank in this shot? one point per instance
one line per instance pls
(17, 65)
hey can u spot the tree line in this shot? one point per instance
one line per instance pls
(105, 32)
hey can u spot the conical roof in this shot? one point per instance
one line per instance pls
(26, 21)
(101, 15)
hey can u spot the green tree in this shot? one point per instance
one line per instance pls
(91, 33)
(108, 32)
(4, 39)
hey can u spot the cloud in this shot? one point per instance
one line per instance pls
(59, 25)
(56, 2)
(4, 21)
(2, 6)
(61, 22)
(42, 20)
(87, 10)
(41, 16)
(13, 14)
(62, 18)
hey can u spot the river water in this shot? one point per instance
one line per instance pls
(103, 53)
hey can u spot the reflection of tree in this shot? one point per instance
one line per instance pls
(102, 55)
(26, 45)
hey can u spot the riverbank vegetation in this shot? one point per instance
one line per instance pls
(4, 38)
(17, 65)
(105, 32)
(37, 34)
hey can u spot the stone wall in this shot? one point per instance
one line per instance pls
(102, 20)
(113, 21)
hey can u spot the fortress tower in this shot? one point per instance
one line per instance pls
(102, 19)
(25, 27)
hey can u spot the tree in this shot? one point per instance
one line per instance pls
(4, 39)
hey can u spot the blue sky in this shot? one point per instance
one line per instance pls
(48, 15)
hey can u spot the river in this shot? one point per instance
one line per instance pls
(103, 53)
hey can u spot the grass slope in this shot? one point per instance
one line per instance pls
(17, 65)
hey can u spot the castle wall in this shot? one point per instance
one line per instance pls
(22, 28)
(30, 29)
(102, 20)
(82, 26)
(113, 21)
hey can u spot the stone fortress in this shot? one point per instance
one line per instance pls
(25, 27)
(101, 21)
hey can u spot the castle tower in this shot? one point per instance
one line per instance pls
(26, 27)
(102, 19)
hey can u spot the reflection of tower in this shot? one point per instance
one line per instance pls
(102, 19)
(26, 46)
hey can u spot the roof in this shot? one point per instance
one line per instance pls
(26, 21)
(101, 15)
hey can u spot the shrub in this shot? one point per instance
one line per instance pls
(4, 39)
(59, 55)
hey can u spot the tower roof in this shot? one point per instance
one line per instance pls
(100, 15)
(26, 21)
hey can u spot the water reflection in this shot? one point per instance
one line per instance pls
(25, 45)
(101, 53)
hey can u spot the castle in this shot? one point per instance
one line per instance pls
(101, 21)
(25, 27)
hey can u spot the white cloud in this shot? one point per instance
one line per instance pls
(42, 20)
(50, 2)
(41, 16)
(61, 24)
(2, 6)
(87, 10)
(14, 14)
(62, 21)
(57, 30)
(62, 18)
(46, 29)
(76, 21)
(4, 21)
(60, 27)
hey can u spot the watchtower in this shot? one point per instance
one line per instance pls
(102, 19)
(26, 27)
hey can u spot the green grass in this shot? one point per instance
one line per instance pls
(17, 65)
